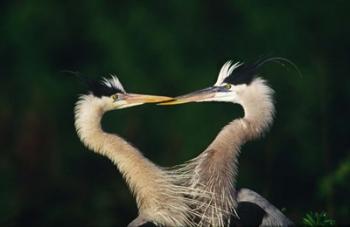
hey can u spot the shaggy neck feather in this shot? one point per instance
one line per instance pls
(88, 115)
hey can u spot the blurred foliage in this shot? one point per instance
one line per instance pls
(317, 219)
(169, 48)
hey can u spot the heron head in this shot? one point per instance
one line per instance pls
(231, 85)
(237, 83)
(112, 95)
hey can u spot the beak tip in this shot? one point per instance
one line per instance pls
(171, 102)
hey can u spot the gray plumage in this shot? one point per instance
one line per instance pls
(272, 216)
(159, 196)
(215, 170)
(200, 192)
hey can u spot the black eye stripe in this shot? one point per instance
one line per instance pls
(243, 74)
(100, 89)
(246, 73)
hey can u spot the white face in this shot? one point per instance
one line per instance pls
(228, 93)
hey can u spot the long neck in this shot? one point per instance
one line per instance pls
(259, 110)
(136, 169)
(160, 198)
(258, 116)
(217, 166)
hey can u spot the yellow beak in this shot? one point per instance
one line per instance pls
(131, 98)
(197, 96)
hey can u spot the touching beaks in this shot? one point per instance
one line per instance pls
(132, 98)
(196, 96)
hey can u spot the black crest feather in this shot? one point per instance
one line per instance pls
(245, 73)
(105, 87)
(102, 88)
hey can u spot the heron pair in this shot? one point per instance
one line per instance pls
(200, 192)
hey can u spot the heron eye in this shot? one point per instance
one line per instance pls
(227, 86)
(115, 97)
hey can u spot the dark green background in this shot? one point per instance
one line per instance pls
(47, 176)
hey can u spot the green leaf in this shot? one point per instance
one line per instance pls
(318, 219)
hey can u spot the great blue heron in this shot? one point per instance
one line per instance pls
(159, 196)
(215, 169)
(200, 192)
